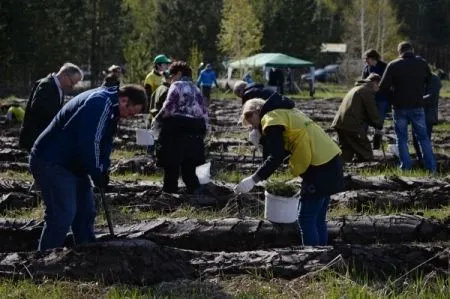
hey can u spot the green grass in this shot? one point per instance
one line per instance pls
(157, 176)
(323, 91)
(445, 90)
(323, 284)
(236, 176)
(125, 154)
(442, 127)
(395, 171)
(16, 175)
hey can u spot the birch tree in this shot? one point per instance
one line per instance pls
(241, 31)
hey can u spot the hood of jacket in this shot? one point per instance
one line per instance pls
(276, 101)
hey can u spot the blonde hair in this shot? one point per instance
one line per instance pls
(251, 105)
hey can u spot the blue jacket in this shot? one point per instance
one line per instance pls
(207, 78)
(80, 136)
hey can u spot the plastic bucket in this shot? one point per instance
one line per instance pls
(281, 209)
(203, 173)
(144, 137)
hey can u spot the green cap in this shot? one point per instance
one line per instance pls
(161, 58)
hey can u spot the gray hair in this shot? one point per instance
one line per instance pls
(251, 105)
(70, 70)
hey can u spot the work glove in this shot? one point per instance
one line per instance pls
(377, 138)
(102, 182)
(245, 185)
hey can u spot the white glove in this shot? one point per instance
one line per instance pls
(245, 185)
(254, 137)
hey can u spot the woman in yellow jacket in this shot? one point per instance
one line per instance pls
(313, 155)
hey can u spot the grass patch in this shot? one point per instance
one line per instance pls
(236, 176)
(325, 284)
(445, 90)
(124, 154)
(29, 213)
(132, 176)
(17, 175)
(395, 171)
(442, 127)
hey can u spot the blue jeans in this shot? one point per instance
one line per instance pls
(312, 220)
(69, 201)
(416, 117)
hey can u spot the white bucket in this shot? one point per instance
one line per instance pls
(144, 137)
(281, 209)
(203, 173)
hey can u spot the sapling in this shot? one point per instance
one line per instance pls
(281, 189)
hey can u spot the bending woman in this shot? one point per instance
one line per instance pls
(313, 155)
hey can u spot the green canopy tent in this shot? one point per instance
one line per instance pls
(268, 60)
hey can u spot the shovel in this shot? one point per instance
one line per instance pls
(107, 214)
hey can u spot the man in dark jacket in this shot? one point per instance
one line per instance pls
(77, 144)
(374, 64)
(431, 111)
(404, 81)
(46, 99)
(357, 109)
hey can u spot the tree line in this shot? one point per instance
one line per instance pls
(38, 36)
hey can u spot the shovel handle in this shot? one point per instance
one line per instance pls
(107, 214)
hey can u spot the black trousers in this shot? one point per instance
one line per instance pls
(172, 173)
(206, 91)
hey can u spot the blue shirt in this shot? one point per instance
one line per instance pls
(207, 78)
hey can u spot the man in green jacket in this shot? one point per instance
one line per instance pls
(358, 109)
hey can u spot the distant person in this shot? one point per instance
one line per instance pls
(431, 109)
(289, 81)
(246, 91)
(159, 95)
(46, 99)
(312, 155)
(155, 77)
(206, 80)
(111, 80)
(75, 146)
(276, 80)
(248, 78)
(112, 75)
(15, 113)
(181, 123)
(357, 109)
(374, 64)
(404, 82)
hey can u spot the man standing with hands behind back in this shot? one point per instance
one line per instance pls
(46, 99)
(404, 81)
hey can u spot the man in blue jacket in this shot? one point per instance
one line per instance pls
(75, 146)
(205, 81)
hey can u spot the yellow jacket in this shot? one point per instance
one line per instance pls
(308, 143)
(153, 79)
